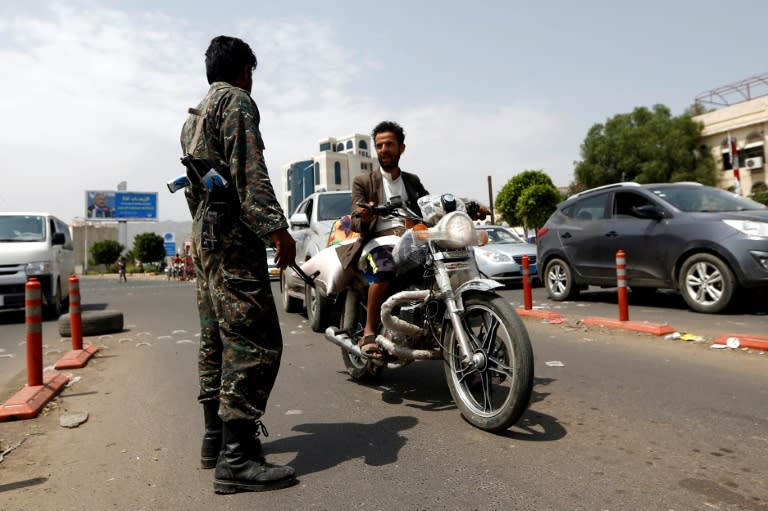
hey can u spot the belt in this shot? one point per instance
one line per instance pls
(392, 231)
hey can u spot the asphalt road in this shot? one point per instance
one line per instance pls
(624, 421)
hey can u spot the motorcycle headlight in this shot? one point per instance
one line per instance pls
(456, 230)
(749, 227)
(38, 268)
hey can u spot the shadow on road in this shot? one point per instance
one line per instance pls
(746, 301)
(325, 446)
(22, 484)
(534, 426)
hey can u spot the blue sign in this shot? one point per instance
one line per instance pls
(135, 206)
(170, 248)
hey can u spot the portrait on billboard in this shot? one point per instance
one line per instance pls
(100, 204)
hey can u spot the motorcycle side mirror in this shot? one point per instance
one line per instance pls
(448, 202)
(395, 201)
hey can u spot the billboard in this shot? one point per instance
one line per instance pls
(109, 205)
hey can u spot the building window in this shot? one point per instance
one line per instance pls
(317, 173)
(337, 173)
(362, 144)
(350, 145)
(340, 147)
(325, 146)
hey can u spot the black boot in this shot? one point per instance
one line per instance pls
(209, 452)
(241, 465)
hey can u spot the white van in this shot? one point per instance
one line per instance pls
(35, 245)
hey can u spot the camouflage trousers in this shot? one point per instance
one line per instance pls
(240, 339)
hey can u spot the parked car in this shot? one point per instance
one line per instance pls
(35, 245)
(311, 224)
(274, 271)
(502, 258)
(703, 241)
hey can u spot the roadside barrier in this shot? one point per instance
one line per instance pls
(621, 283)
(79, 356)
(75, 313)
(527, 292)
(33, 304)
(624, 323)
(40, 387)
(527, 309)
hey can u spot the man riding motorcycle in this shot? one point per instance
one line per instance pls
(375, 188)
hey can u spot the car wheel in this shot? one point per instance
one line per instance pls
(318, 305)
(54, 309)
(706, 283)
(558, 279)
(290, 304)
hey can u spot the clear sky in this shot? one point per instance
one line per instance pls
(95, 92)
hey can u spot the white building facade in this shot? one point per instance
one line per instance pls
(333, 167)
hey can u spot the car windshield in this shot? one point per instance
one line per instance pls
(502, 236)
(704, 199)
(21, 228)
(334, 206)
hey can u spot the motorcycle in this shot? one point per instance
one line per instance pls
(441, 309)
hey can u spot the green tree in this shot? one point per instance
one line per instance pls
(149, 247)
(506, 200)
(535, 205)
(646, 146)
(106, 252)
(760, 194)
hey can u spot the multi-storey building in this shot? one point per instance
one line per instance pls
(332, 167)
(742, 117)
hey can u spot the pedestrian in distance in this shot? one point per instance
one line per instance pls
(233, 213)
(121, 262)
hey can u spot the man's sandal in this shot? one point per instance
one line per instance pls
(368, 346)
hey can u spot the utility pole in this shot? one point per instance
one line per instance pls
(122, 225)
(490, 199)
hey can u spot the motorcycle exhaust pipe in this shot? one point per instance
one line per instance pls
(343, 341)
(396, 324)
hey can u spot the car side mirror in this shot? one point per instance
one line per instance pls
(648, 211)
(58, 238)
(299, 220)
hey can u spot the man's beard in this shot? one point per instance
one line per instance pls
(390, 166)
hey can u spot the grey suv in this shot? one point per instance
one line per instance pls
(703, 241)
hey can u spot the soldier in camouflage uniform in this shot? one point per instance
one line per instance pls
(240, 341)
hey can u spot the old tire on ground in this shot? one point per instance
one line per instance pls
(94, 323)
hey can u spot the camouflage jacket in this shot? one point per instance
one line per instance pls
(230, 136)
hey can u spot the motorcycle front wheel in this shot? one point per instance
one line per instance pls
(493, 394)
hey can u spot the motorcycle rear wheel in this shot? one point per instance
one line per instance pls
(352, 318)
(494, 396)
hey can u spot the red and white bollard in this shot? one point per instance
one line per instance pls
(527, 291)
(621, 283)
(80, 355)
(33, 304)
(75, 313)
(40, 388)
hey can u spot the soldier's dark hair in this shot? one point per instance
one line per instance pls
(389, 127)
(226, 57)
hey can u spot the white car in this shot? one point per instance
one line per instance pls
(35, 245)
(311, 225)
(502, 258)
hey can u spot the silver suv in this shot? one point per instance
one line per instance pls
(703, 241)
(311, 224)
